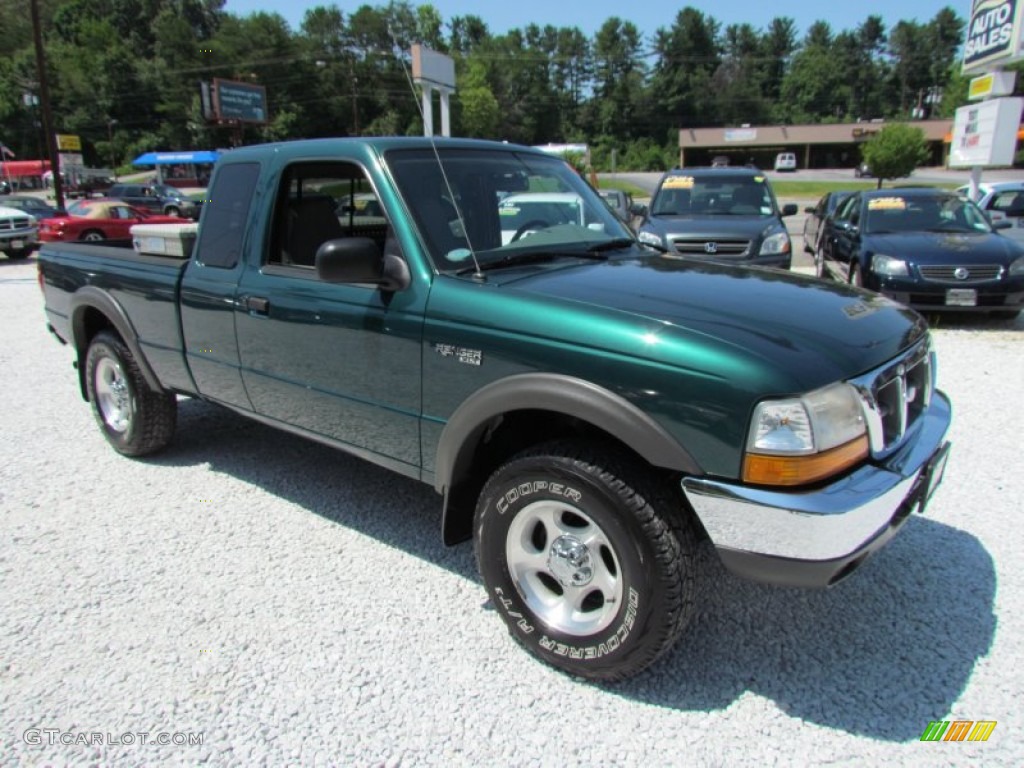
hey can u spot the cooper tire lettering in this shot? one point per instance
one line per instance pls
(587, 556)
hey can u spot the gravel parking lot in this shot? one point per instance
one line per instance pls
(288, 604)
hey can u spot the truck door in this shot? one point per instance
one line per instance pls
(210, 283)
(337, 360)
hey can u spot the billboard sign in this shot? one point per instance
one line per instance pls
(985, 134)
(993, 34)
(243, 102)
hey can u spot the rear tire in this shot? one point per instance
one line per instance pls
(92, 236)
(587, 558)
(135, 419)
(20, 254)
(172, 210)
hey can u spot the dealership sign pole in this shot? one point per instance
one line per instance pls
(985, 134)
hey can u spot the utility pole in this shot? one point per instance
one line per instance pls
(44, 100)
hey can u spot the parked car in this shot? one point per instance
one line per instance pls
(928, 248)
(1001, 201)
(619, 201)
(19, 233)
(34, 206)
(726, 214)
(720, 161)
(524, 214)
(5, 187)
(816, 214)
(785, 161)
(863, 171)
(98, 219)
(157, 198)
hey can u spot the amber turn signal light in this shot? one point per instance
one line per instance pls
(762, 469)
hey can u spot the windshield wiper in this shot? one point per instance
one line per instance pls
(532, 257)
(614, 244)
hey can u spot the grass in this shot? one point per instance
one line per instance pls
(625, 186)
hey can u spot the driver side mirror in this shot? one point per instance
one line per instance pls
(359, 260)
(638, 209)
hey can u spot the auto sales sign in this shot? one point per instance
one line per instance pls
(993, 34)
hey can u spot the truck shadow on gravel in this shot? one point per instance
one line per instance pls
(880, 655)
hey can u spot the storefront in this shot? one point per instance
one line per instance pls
(181, 169)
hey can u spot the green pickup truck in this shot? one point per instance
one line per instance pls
(589, 408)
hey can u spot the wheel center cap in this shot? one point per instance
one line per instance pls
(570, 562)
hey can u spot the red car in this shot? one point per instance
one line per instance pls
(99, 220)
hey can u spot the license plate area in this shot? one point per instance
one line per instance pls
(961, 297)
(17, 244)
(932, 475)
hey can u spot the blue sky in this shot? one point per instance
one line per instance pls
(647, 15)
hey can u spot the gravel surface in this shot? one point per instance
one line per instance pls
(295, 606)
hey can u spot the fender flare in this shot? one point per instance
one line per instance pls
(91, 297)
(561, 394)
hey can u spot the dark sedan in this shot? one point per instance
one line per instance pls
(33, 206)
(816, 215)
(927, 248)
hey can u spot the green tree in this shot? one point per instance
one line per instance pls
(895, 151)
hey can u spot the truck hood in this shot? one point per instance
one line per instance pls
(806, 331)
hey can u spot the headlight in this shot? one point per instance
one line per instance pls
(888, 265)
(777, 243)
(1017, 267)
(649, 238)
(800, 440)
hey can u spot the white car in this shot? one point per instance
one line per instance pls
(19, 233)
(523, 214)
(1001, 201)
(785, 161)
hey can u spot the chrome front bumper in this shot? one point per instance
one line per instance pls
(815, 538)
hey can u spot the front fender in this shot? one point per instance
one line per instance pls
(559, 394)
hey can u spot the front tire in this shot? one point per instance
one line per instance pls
(587, 559)
(19, 255)
(135, 419)
(92, 236)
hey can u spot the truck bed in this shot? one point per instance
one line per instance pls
(145, 286)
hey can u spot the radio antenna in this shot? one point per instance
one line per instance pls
(478, 273)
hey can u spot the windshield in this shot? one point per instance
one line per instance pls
(713, 196)
(899, 213)
(500, 204)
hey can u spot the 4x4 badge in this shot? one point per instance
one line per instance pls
(463, 355)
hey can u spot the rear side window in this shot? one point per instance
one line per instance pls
(223, 230)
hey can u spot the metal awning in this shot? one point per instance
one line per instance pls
(176, 158)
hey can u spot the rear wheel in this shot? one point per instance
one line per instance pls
(587, 559)
(173, 210)
(18, 255)
(135, 419)
(92, 236)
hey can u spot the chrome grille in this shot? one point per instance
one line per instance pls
(15, 222)
(702, 246)
(975, 273)
(895, 396)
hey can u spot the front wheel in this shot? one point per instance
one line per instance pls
(587, 559)
(172, 210)
(92, 236)
(135, 419)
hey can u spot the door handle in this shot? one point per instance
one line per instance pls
(257, 304)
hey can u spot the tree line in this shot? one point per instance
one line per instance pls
(128, 87)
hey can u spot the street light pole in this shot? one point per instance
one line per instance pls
(110, 141)
(44, 100)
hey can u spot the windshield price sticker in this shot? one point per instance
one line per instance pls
(759, 179)
(887, 204)
(508, 210)
(678, 182)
